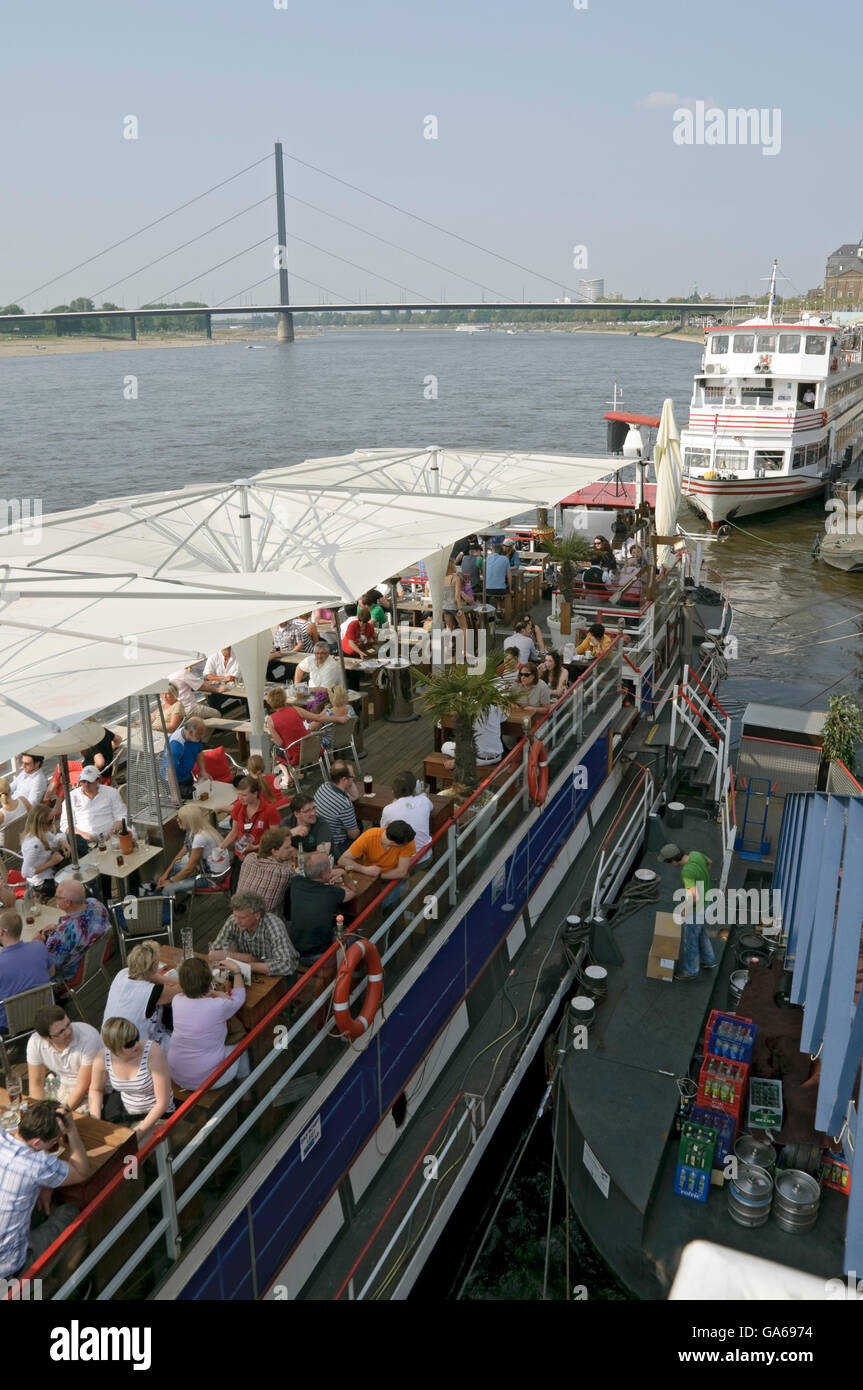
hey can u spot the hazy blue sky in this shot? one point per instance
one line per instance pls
(554, 129)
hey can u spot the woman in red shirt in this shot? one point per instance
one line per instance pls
(284, 724)
(359, 638)
(251, 815)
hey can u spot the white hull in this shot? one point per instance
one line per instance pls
(842, 552)
(718, 500)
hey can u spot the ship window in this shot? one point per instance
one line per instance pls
(769, 459)
(697, 458)
(719, 344)
(799, 458)
(812, 454)
(732, 458)
(765, 342)
(789, 342)
(744, 342)
(816, 345)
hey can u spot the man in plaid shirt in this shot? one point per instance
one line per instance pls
(256, 936)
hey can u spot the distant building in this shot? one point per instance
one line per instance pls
(591, 290)
(843, 278)
(566, 300)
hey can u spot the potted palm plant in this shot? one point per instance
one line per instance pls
(567, 553)
(465, 693)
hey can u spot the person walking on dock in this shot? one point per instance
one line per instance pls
(697, 950)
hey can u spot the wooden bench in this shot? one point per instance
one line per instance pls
(437, 775)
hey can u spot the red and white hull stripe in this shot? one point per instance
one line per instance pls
(718, 500)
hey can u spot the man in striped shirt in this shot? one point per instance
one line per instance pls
(293, 635)
(256, 936)
(334, 800)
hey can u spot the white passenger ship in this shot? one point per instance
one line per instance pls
(777, 409)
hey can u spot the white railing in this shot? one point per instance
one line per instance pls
(622, 842)
(696, 710)
(728, 824)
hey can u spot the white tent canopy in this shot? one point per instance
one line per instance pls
(72, 644)
(669, 478)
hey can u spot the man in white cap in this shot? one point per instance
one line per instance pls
(697, 951)
(96, 809)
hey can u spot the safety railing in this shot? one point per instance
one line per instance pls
(696, 712)
(145, 1217)
(728, 824)
(626, 833)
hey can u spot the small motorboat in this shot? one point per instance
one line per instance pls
(842, 552)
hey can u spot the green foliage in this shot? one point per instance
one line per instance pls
(466, 693)
(568, 552)
(843, 731)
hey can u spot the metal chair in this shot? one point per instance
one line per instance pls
(21, 1009)
(149, 923)
(11, 837)
(90, 970)
(311, 756)
(341, 739)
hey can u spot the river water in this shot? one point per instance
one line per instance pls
(221, 411)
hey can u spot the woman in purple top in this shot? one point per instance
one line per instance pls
(200, 1018)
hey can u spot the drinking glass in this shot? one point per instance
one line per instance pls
(16, 1090)
(188, 943)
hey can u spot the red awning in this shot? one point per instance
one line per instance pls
(609, 494)
(652, 420)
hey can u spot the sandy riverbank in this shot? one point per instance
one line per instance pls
(49, 347)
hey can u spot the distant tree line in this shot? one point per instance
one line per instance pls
(156, 323)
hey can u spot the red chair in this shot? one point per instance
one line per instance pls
(217, 765)
(282, 795)
(17, 882)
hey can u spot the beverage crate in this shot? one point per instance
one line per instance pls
(722, 1084)
(723, 1126)
(696, 1146)
(765, 1103)
(691, 1182)
(732, 1038)
(835, 1173)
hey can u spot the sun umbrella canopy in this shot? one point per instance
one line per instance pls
(669, 477)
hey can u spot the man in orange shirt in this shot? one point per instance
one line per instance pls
(383, 854)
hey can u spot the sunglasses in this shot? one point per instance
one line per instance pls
(134, 1042)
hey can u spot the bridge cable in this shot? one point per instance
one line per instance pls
(161, 298)
(434, 225)
(230, 298)
(146, 228)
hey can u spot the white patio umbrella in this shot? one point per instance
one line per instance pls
(669, 478)
(74, 643)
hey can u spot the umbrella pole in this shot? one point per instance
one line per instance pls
(67, 797)
(339, 651)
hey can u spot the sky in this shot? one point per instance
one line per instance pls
(555, 130)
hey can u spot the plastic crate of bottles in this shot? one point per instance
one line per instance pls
(835, 1173)
(765, 1103)
(691, 1182)
(732, 1038)
(724, 1128)
(696, 1147)
(721, 1084)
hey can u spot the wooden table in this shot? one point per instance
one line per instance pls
(106, 1144)
(261, 994)
(510, 728)
(369, 808)
(105, 861)
(220, 797)
(366, 889)
(48, 917)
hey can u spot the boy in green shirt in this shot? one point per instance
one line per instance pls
(695, 876)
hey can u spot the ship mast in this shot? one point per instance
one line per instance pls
(771, 300)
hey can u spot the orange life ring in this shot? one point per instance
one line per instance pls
(537, 773)
(347, 1024)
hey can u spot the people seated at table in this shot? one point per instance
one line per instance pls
(631, 574)
(350, 611)
(411, 806)
(12, 808)
(285, 725)
(186, 750)
(373, 600)
(487, 740)
(170, 710)
(335, 802)
(201, 1014)
(82, 921)
(136, 1068)
(337, 710)
(269, 869)
(103, 753)
(64, 1048)
(29, 1171)
(595, 644)
(315, 902)
(222, 670)
(510, 550)
(142, 992)
(320, 669)
(251, 815)
(554, 673)
(96, 809)
(603, 553)
(498, 574)
(308, 830)
(293, 635)
(23, 964)
(533, 693)
(528, 639)
(42, 850)
(360, 637)
(193, 690)
(458, 600)
(509, 669)
(30, 781)
(255, 936)
(201, 862)
(379, 853)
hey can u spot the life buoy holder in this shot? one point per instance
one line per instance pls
(537, 773)
(347, 1024)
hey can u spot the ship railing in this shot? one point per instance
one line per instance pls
(728, 824)
(696, 712)
(142, 1220)
(619, 845)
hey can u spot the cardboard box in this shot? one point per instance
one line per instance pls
(666, 936)
(660, 967)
